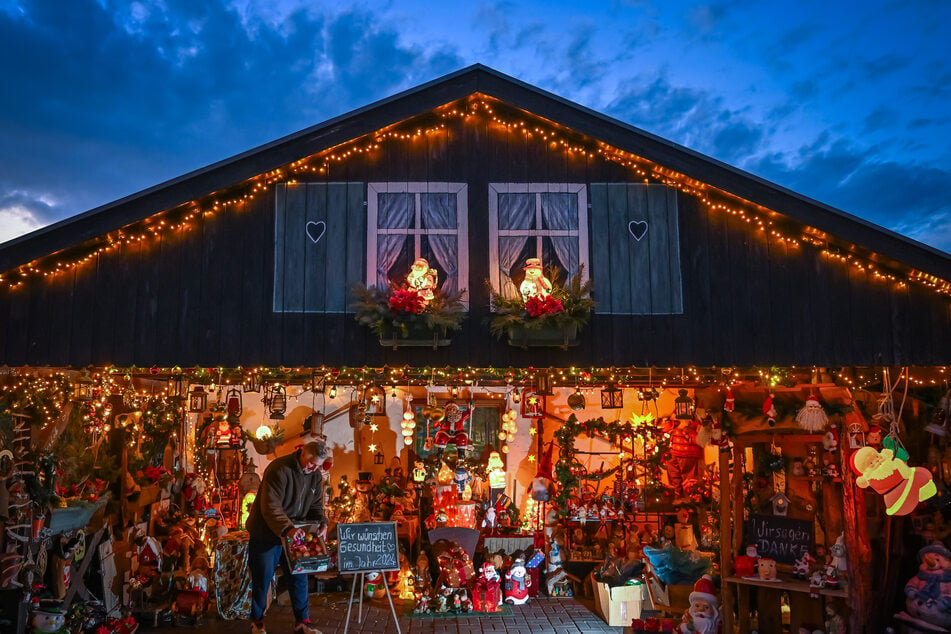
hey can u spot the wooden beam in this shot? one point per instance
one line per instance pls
(858, 547)
(726, 554)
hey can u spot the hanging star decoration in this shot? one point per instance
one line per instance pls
(374, 427)
(532, 431)
(531, 458)
(372, 447)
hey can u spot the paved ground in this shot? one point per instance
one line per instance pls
(328, 612)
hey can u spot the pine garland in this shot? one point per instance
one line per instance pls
(443, 313)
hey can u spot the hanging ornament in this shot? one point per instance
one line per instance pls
(812, 417)
(903, 487)
(729, 405)
(769, 410)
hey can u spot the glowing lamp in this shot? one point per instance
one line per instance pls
(263, 432)
(197, 399)
(83, 388)
(408, 440)
(251, 383)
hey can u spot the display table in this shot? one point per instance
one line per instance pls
(508, 543)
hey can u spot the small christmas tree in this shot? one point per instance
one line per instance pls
(341, 506)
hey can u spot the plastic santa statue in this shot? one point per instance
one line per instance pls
(517, 583)
(703, 615)
(452, 428)
(903, 487)
(423, 280)
(535, 283)
(542, 487)
(486, 593)
(686, 455)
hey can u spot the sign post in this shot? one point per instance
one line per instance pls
(367, 547)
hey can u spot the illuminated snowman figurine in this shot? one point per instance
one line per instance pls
(535, 283)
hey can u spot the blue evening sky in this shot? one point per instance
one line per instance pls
(843, 101)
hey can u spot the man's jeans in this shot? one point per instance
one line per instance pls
(262, 560)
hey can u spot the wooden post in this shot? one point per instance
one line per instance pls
(726, 554)
(859, 550)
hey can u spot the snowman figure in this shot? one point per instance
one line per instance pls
(517, 583)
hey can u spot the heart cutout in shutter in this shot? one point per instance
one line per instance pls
(315, 230)
(637, 229)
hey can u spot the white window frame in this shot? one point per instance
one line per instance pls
(461, 190)
(579, 189)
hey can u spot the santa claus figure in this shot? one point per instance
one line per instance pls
(703, 615)
(423, 279)
(452, 428)
(486, 593)
(683, 466)
(517, 583)
(542, 488)
(535, 283)
(903, 487)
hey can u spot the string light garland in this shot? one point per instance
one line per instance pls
(500, 117)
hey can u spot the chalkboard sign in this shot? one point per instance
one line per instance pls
(367, 547)
(781, 538)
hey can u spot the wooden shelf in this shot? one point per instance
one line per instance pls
(793, 585)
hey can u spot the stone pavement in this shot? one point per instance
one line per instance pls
(328, 612)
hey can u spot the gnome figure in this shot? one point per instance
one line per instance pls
(703, 615)
(535, 283)
(542, 488)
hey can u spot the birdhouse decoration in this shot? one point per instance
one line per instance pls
(780, 503)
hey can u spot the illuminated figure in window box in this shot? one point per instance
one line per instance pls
(423, 279)
(535, 283)
(452, 428)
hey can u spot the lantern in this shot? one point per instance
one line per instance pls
(544, 384)
(683, 406)
(176, 386)
(277, 402)
(612, 397)
(233, 403)
(251, 383)
(332, 392)
(197, 399)
(83, 388)
(378, 457)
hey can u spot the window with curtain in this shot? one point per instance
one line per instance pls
(406, 221)
(536, 220)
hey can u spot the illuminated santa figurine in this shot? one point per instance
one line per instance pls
(423, 279)
(703, 615)
(517, 583)
(452, 428)
(535, 283)
(903, 487)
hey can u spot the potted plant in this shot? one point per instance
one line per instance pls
(545, 313)
(417, 313)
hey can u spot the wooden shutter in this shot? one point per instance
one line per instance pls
(319, 245)
(635, 256)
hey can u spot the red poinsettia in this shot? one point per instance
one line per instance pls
(407, 301)
(154, 474)
(536, 306)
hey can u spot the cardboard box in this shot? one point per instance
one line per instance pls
(618, 606)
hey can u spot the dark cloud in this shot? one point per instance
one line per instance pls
(885, 65)
(881, 117)
(127, 95)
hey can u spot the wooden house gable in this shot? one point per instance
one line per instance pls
(692, 262)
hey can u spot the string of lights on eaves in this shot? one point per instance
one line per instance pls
(473, 108)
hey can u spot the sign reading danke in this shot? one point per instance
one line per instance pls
(366, 547)
(781, 538)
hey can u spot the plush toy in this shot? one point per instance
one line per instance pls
(194, 492)
(486, 593)
(928, 593)
(703, 615)
(452, 428)
(535, 283)
(423, 280)
(542, 488)
(902, 486)
(517, 583)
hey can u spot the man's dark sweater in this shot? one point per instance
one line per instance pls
(287, 495)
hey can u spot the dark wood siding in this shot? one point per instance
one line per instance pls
(206, 294)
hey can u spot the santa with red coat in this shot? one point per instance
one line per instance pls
(703, 615)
